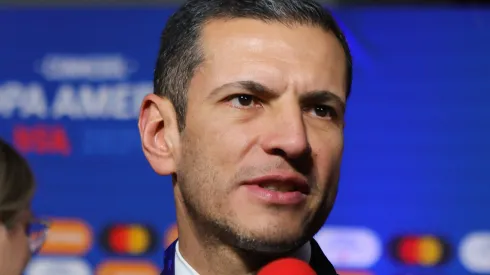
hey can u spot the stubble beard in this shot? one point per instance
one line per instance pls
(219, 231)
(214, 223)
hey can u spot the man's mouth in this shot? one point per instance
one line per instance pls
(284, 187)
(282, 181)
(280, 188)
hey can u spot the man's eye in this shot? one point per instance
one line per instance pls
(243, 101)
(324, 111)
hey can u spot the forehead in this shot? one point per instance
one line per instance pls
(298, 57)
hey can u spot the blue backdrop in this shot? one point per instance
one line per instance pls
(414, 190)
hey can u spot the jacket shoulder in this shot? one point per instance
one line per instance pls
(319, 262)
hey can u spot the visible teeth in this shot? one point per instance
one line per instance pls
(279, 187)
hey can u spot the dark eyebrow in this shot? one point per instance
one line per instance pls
(309, 98)
(248, 85)
(319, 97)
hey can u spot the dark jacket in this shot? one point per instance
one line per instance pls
(319, 261)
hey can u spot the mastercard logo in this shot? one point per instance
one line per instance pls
(67, 237)
(425, 251)
(126, 268)
(171, 234)
(129, 239)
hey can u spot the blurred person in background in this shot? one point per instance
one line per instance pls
(247, 116)
(21, 234)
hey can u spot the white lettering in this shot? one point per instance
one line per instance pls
(94, 102)
(89, 67)
(9, 94)
(28, 101)
(66, 104)
(120, 101)
(34, 102)
(120, 106)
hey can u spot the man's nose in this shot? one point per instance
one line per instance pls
(286, 135)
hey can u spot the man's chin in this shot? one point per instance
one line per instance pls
(273, 248)
(269, 244)
(258, 237)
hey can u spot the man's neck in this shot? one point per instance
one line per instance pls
(209, 256)
(303, 253)
(212, 260)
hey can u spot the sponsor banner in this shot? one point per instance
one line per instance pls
(130, 239)
(58, 266)
(66, 109)
(41, 139)
(474, 252)
(72, 85)
(72, 101)
(68, 237)
(420, 250)
(94, 67)
(350, 247)
(127, 268)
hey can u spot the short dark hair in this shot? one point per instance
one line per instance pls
(16, 183)
(180, 53)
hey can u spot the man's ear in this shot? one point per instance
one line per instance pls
(159, 133)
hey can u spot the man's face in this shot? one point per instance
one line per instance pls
(263, 141)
